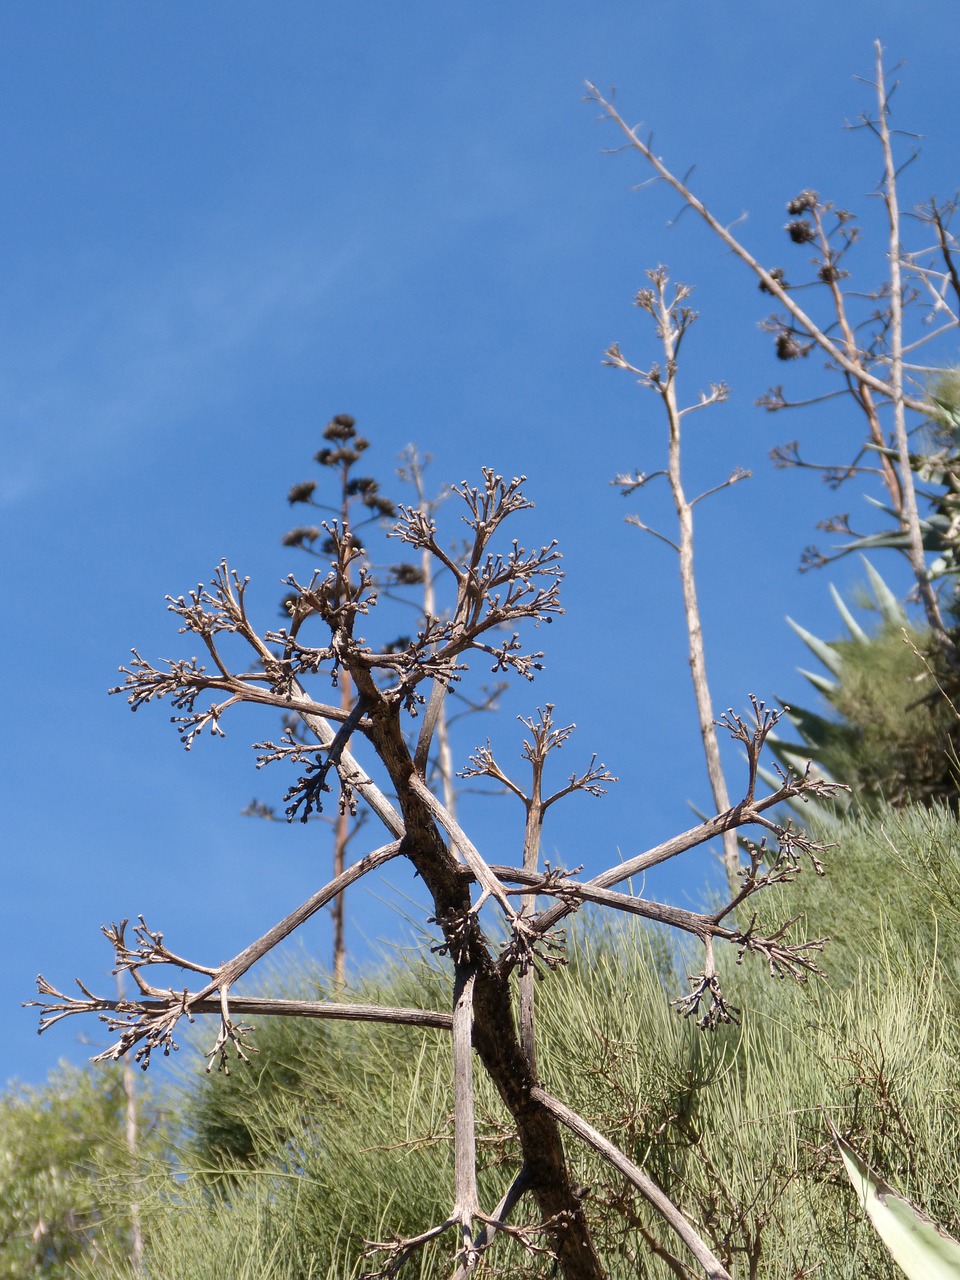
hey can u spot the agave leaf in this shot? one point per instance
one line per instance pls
(946, 565)
(891, 610)
(882, 449)
(932, 530)
(823, 684)
(792, 755)
(921, 1249)
(815, 730)
(874, 540)
(853, 626)
(948, 412)
(882, 506)
(925, 522)
(819, 648)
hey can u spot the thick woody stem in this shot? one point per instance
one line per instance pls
(132, 1139)
(488, 1231)
(475, 860)
(531, 862)
(341, 837)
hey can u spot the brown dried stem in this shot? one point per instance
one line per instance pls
(673, 319)
(911, 517)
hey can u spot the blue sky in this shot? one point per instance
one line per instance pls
(225, 222)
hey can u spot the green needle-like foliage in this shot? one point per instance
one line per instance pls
(67, 1180)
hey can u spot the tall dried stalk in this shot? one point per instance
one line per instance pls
(871, 367)
(131, 1135)
(672, 320)
(910, 513)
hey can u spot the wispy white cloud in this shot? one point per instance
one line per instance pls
(170, 341)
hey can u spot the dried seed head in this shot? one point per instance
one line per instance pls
(805, 201)
(382, 506)
(297, 537)
(777, 274)
(645, 300)
(788, 348)
(801, 231)
(828, 273)
(342, 427)
(406, 575)
(302, 492)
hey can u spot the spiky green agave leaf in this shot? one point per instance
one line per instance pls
(921, 1249)
(816, 730)
(853, 626)
(819, 648)
(823, 684)
(891, 610)
(949, 414)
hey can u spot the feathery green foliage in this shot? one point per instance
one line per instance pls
(66, 1177)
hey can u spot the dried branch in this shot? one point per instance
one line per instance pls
(154, 1023)
(495, 591)
(859, 360)
(911, 516)
(673, 319)
(644, 1184)
(749, 810)
(771, 283)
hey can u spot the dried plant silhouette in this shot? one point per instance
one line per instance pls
(873, 337)
(498, 925)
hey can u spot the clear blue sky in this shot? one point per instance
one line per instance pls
(225, 222)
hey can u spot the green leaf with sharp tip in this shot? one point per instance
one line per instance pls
(816, 731)
(823, 684)
(891, 610)
(792, 755)
(921, 1249)
(853, 626)
(925, 522)
(882, 506)
(948, 412)
(819, 648)
(875, 540)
